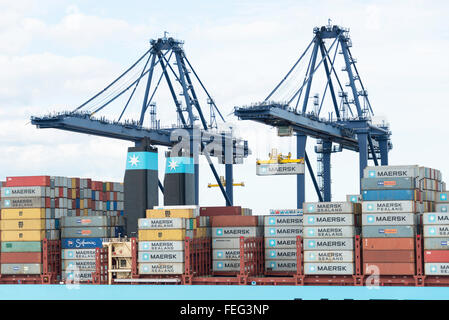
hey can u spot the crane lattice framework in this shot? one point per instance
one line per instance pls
(348, 126)
(179, 75)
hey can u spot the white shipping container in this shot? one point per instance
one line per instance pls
(328, 268)
(329, 232)
(328, 256)
(389, 206)
(385, 219)
(391, 171)
(331, 207)
(328, 219)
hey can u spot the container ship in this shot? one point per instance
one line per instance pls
(102, 238)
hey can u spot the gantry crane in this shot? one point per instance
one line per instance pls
(177, 75)
(286, 107)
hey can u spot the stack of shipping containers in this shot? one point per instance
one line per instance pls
(26, 220)
(329, 231)
(161, 239)
(436, 237)
(281, 229)
(393, 197)
(228, 225)
(78, 264)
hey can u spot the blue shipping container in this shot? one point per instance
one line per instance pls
(81, 243)
(392, 195)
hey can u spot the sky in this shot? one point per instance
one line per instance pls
(54, 55)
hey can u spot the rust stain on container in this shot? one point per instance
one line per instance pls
(404, 256)
(21, 257)
(388, 244)
(234, 221)
(441, 256)
(389, 269)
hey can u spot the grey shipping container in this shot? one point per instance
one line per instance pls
(328, 256)
(388, 183)
(286, 232)
(160, 246)
(329, 244)
(280, 266)
(329, 232)
(87, 232)
(23, 203)
(280, 243)
(21, 268)
(328, 268)
(52, 234)
(161, 268)
(226, 243)
(157, 257)
(328, 219)
(388, 231)
(92, 221)
(436, 243)
(283, 220)
(280, 254)
(232, 232)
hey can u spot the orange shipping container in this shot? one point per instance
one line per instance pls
(405, 256)
(389, 269)
(388, 244)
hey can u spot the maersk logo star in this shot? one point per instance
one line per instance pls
(134, 160)
(173, 165)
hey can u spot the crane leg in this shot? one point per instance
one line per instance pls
(300, 178)
(327, 150)
(383, 144)
(229, 182)
(362, 138)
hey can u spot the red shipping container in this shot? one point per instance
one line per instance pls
(42, 181)
(21, 257)
(388, 244)
(441, 256)
(389, 269)
(115, 196)
(388, 256)
(220, 211)
(47, 202)
(78, 212)
(233, 221)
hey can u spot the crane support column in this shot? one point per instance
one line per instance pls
(327, 150)
(229, 183)
(301, 141)
(383, 145)
(362, 137)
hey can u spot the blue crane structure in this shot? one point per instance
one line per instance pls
(287, 106)
(178, 74)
